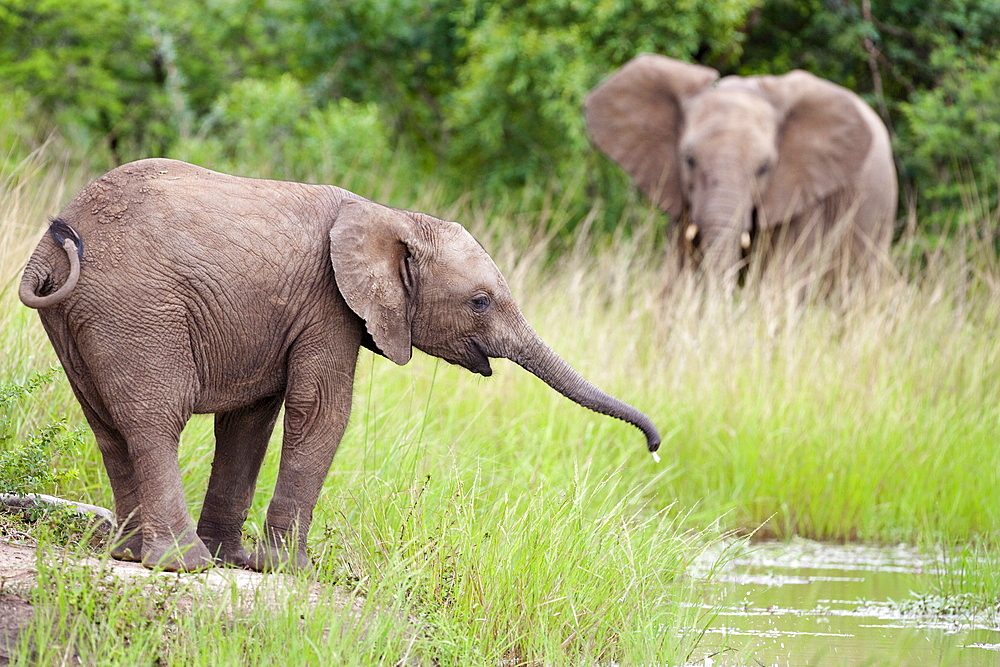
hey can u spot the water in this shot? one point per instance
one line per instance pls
(807, 603)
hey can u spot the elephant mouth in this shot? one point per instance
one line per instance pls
(477, 361)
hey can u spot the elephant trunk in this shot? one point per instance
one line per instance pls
(723, 234)
(532, 354)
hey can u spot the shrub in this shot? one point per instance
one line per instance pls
(31, 463)
(956, 141)
(276, 129)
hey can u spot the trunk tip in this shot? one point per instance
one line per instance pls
(652, 440)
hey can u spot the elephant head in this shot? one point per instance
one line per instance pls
(737, 156)
(421, 282)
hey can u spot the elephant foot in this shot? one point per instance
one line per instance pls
(231, 555)
(186, 553)
(127, 547)
(270, 558)
(126, 543)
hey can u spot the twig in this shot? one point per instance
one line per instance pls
(873, 57)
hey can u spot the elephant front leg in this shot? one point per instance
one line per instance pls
(241, 441)
(316, 413)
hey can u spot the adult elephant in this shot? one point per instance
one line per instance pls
(794, 164)
(168, 289)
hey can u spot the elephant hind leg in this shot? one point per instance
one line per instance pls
(169, 538)
(124, 484)
(113, 447)
(127, 544)
(241, 438)
(150, 421)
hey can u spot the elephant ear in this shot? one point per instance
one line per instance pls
(636, 118)
(822, 142)
(370, 248)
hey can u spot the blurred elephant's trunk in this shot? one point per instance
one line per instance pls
(722, 234)
(527, 350)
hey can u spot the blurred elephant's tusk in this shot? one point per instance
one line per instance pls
(691, 232)
(745, 240)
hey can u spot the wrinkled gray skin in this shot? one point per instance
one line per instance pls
(199, 292)
(793, 164)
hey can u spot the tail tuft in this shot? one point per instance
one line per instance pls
(61, 231)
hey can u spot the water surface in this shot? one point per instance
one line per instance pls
(807, 603)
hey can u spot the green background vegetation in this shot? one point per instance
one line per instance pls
(486, 94)
(516, 525)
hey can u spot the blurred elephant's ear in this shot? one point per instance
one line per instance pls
(371, 247)
(636, 118)
(822, 142)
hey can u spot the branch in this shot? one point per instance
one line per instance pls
(873, 57)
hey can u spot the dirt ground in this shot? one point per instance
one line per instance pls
(18, 574)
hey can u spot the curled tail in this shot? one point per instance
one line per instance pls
(36, 289)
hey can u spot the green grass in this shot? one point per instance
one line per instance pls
(515, 525)
(89, 612)
(880, 425)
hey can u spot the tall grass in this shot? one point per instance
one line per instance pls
(518, 526)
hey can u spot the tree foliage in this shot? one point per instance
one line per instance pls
(277, 129)
(486, 92)
(93, 77)
(921, 65)
(955, 130)
(516, 112)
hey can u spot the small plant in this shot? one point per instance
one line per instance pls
(969, 582)
(31, 464)
(28, 463)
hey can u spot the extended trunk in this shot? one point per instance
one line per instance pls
(532, 354)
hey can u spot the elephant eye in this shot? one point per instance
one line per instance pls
(763, 169)
(689, 161)
(480, 303)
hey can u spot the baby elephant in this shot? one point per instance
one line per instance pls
(168, 289)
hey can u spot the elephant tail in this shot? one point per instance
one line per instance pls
(37, 284)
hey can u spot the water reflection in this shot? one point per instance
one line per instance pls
(806, 603)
